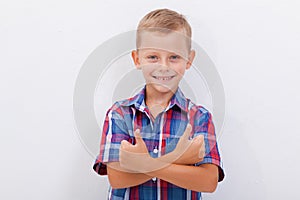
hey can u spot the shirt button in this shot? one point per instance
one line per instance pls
(155, 151)
(154, 179)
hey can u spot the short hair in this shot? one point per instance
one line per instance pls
(164, 20)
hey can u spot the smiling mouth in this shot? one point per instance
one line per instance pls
(163, 78)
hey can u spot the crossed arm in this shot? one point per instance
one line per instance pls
(136, 166)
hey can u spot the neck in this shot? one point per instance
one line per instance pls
(154, 98)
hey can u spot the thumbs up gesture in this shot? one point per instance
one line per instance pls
(189, 151)
(135, 158)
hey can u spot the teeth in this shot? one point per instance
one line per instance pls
(163, 78)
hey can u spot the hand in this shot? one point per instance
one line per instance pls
(135, 158)
(189, 151)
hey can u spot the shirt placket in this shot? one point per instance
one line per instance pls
(157, 128)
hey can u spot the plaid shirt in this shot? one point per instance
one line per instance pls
(161, 136)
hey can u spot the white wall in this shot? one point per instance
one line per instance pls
(43, 44)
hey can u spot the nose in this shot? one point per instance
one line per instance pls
(164, 64)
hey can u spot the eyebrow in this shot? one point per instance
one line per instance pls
(153, 51)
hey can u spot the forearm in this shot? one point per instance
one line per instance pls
(136, 170)
(122, 178)
(119, 178)
(202, 178)
(198, 178)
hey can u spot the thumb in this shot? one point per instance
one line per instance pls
(187, 132)
(125, 144)
(199, 138)
(138, 137)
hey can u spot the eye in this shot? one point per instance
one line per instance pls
(152, 58)
(174, 57)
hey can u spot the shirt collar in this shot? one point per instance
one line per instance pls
(180, 100)
(138, 100)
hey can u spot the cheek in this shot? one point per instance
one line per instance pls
(147, 71)
(148, 68)
(180, 70)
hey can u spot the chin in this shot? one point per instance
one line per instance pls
(163, 88)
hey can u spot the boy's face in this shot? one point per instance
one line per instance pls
(163, 59)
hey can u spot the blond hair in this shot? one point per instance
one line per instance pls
(164, 20)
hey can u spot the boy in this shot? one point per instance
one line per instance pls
(158, 144)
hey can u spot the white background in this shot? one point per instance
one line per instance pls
(253, 43)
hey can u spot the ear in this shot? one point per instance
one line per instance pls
(135, 58)
(191, 59)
